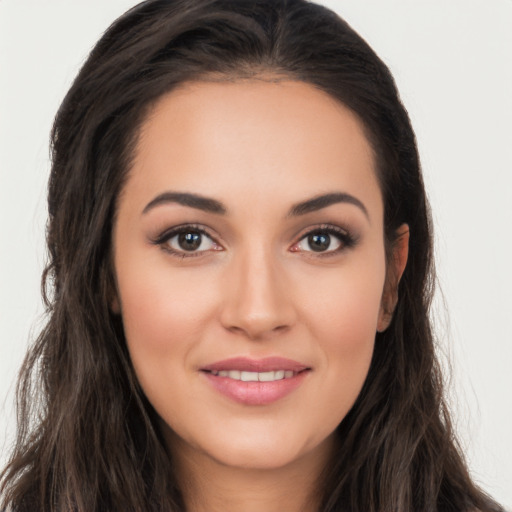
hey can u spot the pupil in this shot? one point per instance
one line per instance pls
(189, 241)
(319, 242)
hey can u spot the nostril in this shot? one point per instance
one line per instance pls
(254, 332)
(258, 309)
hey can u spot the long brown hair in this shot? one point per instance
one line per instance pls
(87, 437)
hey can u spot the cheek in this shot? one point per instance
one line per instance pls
(344, 322)
(164, 317)
(345, 303)
(162, 303)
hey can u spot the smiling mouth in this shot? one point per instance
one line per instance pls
(256, 381)
(246, 376)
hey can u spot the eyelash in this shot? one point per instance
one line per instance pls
(163, 239)
(346, 239)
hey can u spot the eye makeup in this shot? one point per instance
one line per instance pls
(324, 240)
(194, 240)
(187, 240)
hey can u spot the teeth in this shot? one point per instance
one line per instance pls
(248, 376)
(255, 376)
(267, 376)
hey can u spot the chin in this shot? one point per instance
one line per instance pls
(268, 457)
(264, 448)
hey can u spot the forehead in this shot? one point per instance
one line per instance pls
(218, 138)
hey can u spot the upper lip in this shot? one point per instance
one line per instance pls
(267, 364)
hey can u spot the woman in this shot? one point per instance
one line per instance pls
(239, 280)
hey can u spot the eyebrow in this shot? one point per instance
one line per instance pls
(186, 199)
(210, 205)
(325, 200)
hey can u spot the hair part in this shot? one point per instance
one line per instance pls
(87, 437)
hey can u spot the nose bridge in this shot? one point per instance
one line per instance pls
(257, 303)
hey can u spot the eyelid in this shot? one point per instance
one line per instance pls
(166, 235)
(345, 236)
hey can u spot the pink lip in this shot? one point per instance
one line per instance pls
(256, 393)
(246, 364)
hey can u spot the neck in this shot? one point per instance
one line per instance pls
(211, 486)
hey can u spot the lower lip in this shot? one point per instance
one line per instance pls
(255, 393)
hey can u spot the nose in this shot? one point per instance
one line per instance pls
(257, 301)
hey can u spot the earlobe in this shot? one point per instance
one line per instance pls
(396, 267)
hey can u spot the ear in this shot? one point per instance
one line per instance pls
(113, 293)
(396, 267)
(115, 307)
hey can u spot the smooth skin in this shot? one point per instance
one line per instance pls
(249, 273)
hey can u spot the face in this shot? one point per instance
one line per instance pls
(250, 266)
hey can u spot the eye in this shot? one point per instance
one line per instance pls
(319, 242)
(327, 240)
(187, 241)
